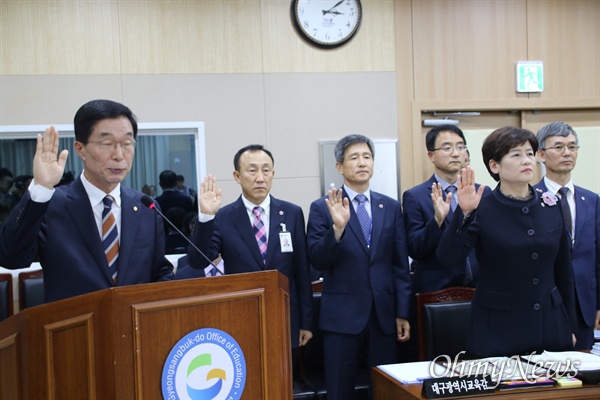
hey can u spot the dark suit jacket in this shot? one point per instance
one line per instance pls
(586, 251)
(356, 278)
(230, 234)
(525, 297)
(64, 234)
(173, 198)
(423, 235)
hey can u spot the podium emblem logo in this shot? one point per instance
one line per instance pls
(205, 364)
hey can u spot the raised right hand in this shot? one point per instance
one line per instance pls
(48, 165)
(209, 197)
(468, 196)
(339, 208)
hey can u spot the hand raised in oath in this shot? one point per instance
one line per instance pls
(48, 165)
(209, 198)
(339, 208)
(441, 207)
(468, 195)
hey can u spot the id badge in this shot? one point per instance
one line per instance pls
(285, 238)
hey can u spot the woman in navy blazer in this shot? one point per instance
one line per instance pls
(524, 301)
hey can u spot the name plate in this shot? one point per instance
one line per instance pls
(439, 388)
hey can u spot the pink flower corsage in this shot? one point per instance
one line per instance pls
(549, 199)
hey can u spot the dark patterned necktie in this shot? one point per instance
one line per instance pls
(363, 217)
(566, 210)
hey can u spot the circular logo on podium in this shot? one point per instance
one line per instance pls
(205, 364)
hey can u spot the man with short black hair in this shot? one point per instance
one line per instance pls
(446, 149)
(171, 197)
(257, 232)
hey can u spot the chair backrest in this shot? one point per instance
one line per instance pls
(6, 296)
(31, 289)
(443, 317)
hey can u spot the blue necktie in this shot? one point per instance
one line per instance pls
(453, 204)
(363, 217)
(454, 199)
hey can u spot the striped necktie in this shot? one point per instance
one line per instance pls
(110, 237)
(260, 233)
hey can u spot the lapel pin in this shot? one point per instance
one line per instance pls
(583, 198)
(134, 208)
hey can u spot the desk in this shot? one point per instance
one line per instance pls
(385, 387)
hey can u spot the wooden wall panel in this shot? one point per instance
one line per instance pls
(189, 36)
(565, 35)
(40, 37)
(467, 49)
(45, 37)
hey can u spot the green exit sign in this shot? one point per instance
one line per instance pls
(530, 76)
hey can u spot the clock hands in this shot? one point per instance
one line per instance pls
(330, 11)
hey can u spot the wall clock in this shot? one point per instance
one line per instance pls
(327, 24)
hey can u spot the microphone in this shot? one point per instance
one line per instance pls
(149, 202)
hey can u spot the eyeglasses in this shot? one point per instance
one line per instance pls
(449, 149)
(111, 145)
(559, 148)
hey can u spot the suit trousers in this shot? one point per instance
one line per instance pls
(584, 333)
(343, 353)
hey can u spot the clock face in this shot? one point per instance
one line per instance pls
(327, 23)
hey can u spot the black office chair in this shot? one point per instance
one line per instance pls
(443, 317)
(31, 289)
(6, 296)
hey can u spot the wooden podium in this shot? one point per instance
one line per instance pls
(113, 344)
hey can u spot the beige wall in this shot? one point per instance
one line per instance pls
(239, 66)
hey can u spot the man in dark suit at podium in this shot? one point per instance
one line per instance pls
(94, 233)
(361, 249)
(256, 232)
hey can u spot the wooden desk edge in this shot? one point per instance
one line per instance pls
(387, 387)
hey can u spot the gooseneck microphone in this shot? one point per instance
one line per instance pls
(149, 202)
